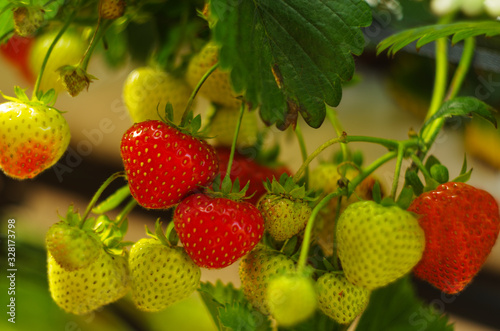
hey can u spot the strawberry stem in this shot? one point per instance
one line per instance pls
(98, 34)
(97, 195)
(69, 20)
(303, 148)
(331, 114)
(397, 171)
(233, 144)
(125, 211)
(335, 260)
(195, 91)
(304, 250)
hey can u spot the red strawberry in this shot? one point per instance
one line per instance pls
(16, 51)
(164, 164)
(217, 231)
(246, 169)
(461, 224)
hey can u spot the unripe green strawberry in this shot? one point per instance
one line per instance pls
(224, 123)
(84, 290)
(33, 137)
(283, 217)
(339, 299)
(147, 90)
(161, 275)
(217, 88)
(325, 178)
(111, 9)
(285, 208)
(71, 247)
(378, 244)
(27, 20)
(291, 298)
(68, 50)
(256, 269)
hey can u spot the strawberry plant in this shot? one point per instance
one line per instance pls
(214, 87)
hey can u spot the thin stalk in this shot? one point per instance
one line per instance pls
(302, 146)
(462, 68)
(335, 261)
(331, 114)
(370, 169)
(304, 250)
(314, 154)
(233, 145)
(98, 34)
(397, 171)
(196, 89)
(49, 51)
(97, 195)
(126, 210)
(416, 160)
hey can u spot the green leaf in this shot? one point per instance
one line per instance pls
(113, 201)
(396, 307)
(463, 106)
(414, 181)
(230, 309)
(6, 19)
(377, 192)
(427, 34)
(290, 56)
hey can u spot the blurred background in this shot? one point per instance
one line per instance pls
(389, 98)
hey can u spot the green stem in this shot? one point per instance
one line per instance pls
(304, 250)
(302, 146)
(335, 260)
(233, 145)
(196, 89)
(397, 172)
(462, 68)
(49, 51)
(369, 170)
(98, 194)
(331, 114)
(416, 160)
(126, 210)
(98, 34)
(389, 143)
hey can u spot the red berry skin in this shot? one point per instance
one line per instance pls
(16, 50)
(461, 225)
(216, 232)
(247, 170)
(163, 165)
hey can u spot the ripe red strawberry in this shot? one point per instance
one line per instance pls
(33, 137)
(247, 169)
(72, 247)
(163, 164)
(378, 244)
(256, 270)
(339, 299)
(161, 275)
(16, 51)
(217, 231)
(461, 225)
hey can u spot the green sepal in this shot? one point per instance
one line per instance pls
(113, 201)
(431, 160)
(388, 202)
(286, 187)
(290, 246)
(464, 173)
(412, 180)
(47, 99)
(328, 265)
(110, 233)
(171, 234)
(440, 173)
(405, 197)
(377, 192)
(226, 188)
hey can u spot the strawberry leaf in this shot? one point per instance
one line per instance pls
(427, 34)
(463, 106)
(396, 307)
(290, 57)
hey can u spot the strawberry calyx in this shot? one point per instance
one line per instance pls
(189, 124)
(44, 100)
(111, 234)
(75, 79)
(167, 238)
(286, 187)
(228, 189)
